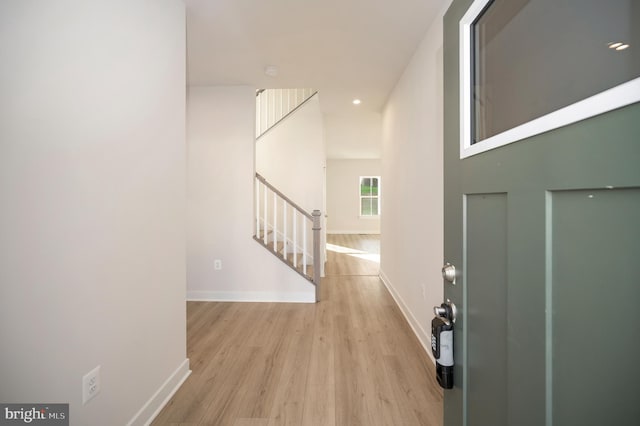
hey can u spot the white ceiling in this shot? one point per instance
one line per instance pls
(344, 48)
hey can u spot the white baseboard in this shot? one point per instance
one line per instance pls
(156, 403)
(360, 232)
(421, 334)
(251, 296)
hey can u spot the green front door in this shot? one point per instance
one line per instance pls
(545, 235)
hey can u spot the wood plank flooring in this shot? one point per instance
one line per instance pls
(348, 360)
(352, 255)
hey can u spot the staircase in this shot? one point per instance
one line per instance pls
(289, 232)
(274, 105)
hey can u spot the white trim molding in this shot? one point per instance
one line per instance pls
(423, 337)
(161, 397)
(617, 97)
(251, 296)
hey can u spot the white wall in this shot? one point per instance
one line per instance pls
(291, 156)
(92, 172)
(354, 136)
(354, 144)
(343, 196)
(220, 134)
(412, 220)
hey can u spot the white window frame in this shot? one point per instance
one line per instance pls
(624, 94)
(360, 197)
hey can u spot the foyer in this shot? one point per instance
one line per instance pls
(350, 359)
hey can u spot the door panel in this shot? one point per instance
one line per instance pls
(548, 331)
(486, 238)
(595, 320)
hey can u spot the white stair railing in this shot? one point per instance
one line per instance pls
(272, 105)
(280, 222)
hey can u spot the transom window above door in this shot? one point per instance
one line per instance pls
(529, 66)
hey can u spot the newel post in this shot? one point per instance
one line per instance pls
(317, 227)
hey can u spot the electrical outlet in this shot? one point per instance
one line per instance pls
(217, 264)
(90, 384)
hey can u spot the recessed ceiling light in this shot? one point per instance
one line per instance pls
(271, 70)
(622, 47)
(613, 45)
(356, 101)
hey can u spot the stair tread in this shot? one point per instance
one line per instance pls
(289, 260)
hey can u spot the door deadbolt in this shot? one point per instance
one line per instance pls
(449, 273)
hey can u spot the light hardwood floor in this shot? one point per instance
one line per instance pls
(352, 255)
(349, 360)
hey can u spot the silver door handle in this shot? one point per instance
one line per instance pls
(449, 273)
(446, 310)
(440, 311)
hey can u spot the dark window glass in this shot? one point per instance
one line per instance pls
(533, 57)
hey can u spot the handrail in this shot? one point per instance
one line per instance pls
(272, 231)
(286, 115)
(284, 197)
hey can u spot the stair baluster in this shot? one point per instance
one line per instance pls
(274, 226)
(273, 105)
